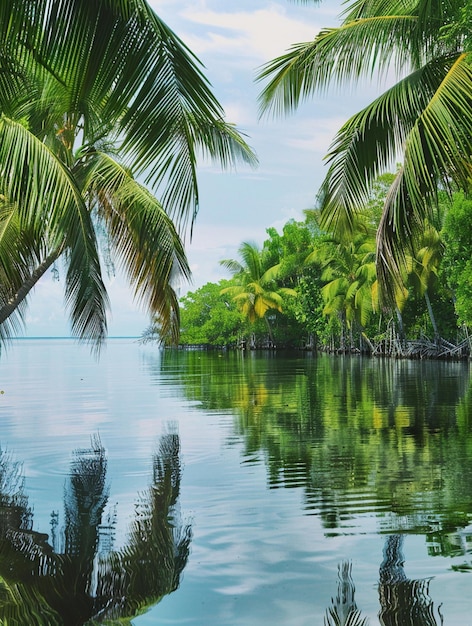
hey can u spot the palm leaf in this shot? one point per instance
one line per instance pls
(143, 237)
(337, 55)
(371, 140)
(437, 152)
(36, 182)
(12, 268)
(123, 66)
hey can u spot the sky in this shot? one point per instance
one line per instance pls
(233, 41)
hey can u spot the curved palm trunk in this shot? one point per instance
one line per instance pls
(401, 330)
(431, 316)
(14, 302)
(269, 330)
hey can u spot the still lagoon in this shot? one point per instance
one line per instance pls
(154, 487)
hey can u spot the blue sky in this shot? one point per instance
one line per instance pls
(233, 40)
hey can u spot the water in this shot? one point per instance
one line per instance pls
(286, 489)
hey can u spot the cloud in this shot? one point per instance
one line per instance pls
(257, 35)
(212, 243)
(240, 110)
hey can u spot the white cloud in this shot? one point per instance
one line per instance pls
(241, 112)
(211, 244)
(258, 35)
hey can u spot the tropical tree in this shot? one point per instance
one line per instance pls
(424, 266)
(206, 318)
(457, 261)
(102, 110)
(255, 290)
(425, 116)
(81, 578)
(302, 321)
(350, 280)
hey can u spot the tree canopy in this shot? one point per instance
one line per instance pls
(424, 116)
(103, 114)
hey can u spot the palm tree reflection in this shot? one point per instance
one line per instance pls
(402, 600)
(79, 578)
(343, 610)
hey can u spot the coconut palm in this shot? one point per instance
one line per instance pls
(425, 116)
(423, 266)
(349, 276)
(256, 291)
(82, 578)
(103, 110)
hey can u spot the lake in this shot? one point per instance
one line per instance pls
(215, 489)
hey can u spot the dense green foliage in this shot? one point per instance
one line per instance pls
(424, 116)
(457, 263)
(95, 96)
(256, 287)
(309, 288)
(210, 318)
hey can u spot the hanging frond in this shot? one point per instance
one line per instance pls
(142, 236)
(336, 56)
(424, 119)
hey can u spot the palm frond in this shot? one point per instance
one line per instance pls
(369, 142)
(271, 274)
(24, 258)
(46, 197)
(143, 237)
(86, 298)
(126, 72)
(32, 176)
(437, 152)
(233, 266)
(336, 56)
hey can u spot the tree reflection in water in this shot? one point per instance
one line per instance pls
(403, 602)
(79, 578)
(343, 610)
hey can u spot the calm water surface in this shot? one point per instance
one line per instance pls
(222, 489)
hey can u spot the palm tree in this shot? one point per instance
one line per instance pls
(101, 108)
(86, 580)
(425, 116)
(423, 267)
(349, 276)
(255, 291)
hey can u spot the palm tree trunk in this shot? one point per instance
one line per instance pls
(26, 287)
(401, 330)
(431, 316)
(269, 330)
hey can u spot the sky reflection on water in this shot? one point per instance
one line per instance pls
(298, 473)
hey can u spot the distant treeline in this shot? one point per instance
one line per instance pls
(310, 289)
